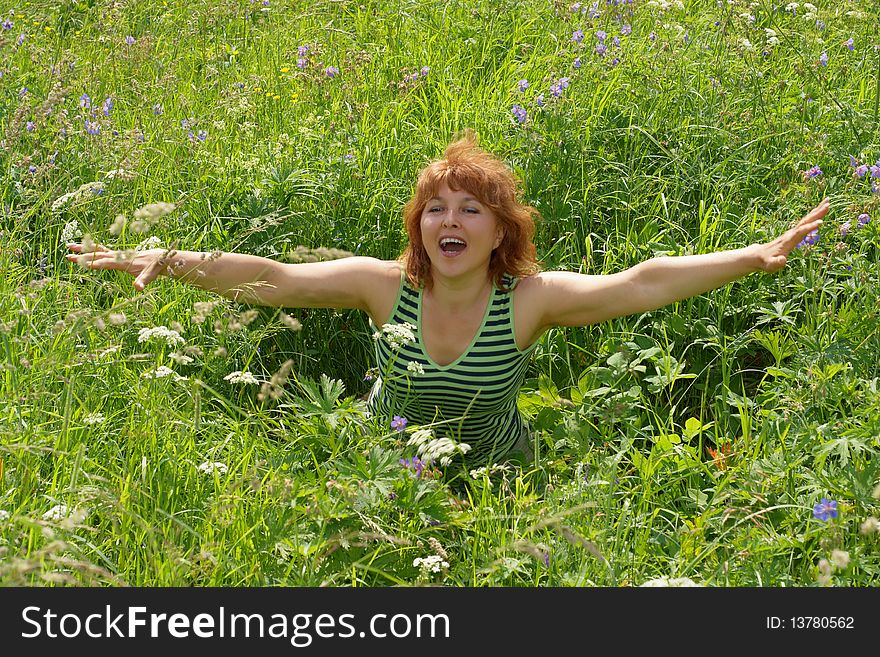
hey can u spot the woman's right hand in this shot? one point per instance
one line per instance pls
(145, 266)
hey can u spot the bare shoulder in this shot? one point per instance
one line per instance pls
(381, 290)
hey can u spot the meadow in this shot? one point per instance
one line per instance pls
(172, 437)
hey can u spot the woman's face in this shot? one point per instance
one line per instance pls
(459, 233)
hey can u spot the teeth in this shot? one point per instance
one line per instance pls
(451, 240)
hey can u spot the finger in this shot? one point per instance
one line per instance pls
(816, 213)
(78, 248)
(148, 275)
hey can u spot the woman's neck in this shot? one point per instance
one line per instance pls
(460, 294)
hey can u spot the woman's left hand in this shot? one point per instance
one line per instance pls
(772, 256)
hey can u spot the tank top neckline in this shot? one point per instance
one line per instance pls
(474, 339)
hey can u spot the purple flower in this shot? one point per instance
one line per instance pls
(850, 44)
(265, 3)
(843, 228)
(812, 172)
(7, 24)
(522, 85)
(825, 510)
(92, 128)
(157, 109)
(107, 106)
(863, 220)
(575, 7)
(202, 135)
(85, 102)
(398, 423)
(861, 170)
(32, 169)
(52, 157)
(875, 170)
(615, 41)
(615, 61)
(348, 157)
(652, 36)
(577, 36)
(415, 464)
(687, 38)
(302, 51)
(520, 114)
(809, 240)
(130, 40)
(539, 101)
(545, 558)
(332, 71)
(424, 71)
(823, 59)
(563, 82)
(19, 40)
(577, 62)
(301, 62)
(820, 24)
(555, 90)
(601, 36)
(30, 126)
(625, 30)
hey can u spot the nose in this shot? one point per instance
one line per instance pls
(450, 219)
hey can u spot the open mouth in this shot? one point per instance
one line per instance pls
(452, 246)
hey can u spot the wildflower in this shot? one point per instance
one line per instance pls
(670, 582)
(870, 526)
(161, 372)
(601, 49)
(850, 44)
(577, 36)
(424, 71)
(576, 7)
(130, 40)
(863, 220)
(577, 62)
(20, 40)
(398, 423)
(430, 564)
(843, 228)
(539, 101)
(30, 126)
(397, 335)
(652, 36)
(812, 172)
(626, 30)
(171, 337)
(117, 319)
(332, 71)
(522, 85)
(240, 377)
(415, 464)
(7, 24)
(210, 467)
(302, 51)
(825, 510)
(301, 62)
(601, 36)
(291, 322)
(520, 114)
(4, 515)
(152, 212)
(93, 418)
(860, 170)
(61, 512)
(85, 102)
(107, 106)
(415, 367)
(202, 135)
(840, 559)
(823, 59)
(615, 42)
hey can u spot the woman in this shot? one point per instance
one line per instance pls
(469, 290)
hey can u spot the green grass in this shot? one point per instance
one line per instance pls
(683, 146)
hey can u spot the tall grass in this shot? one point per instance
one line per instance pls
(693, 441)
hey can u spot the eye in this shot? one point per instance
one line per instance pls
(435, 208)
(474, 210)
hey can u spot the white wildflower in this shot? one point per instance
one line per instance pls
(291, 322)
(161, 372)
(94, 418)
(122, 174)
(479, 473)
(808, 6)
(436, 449)
(171, 337)
(210, 467)
(181, 359)
(117, 225)
(241, 377)
(876, 492)
(772, 41)
(430, 564)
(415, 367)
(70, 231)
(791, 6)
(824, 567)
(149, 243)
(671, 582)
(83, 191)
(870, 526)
(62, 512)
(840, 558)
(397, 335)
(745, 44)
(4, 515)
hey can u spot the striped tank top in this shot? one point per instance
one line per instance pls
(473, 399)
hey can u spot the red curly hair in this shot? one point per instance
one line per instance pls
(465, 166)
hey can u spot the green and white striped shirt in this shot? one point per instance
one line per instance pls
(473, 397)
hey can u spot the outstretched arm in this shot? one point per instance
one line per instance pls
(570, 299)
(355, 282)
